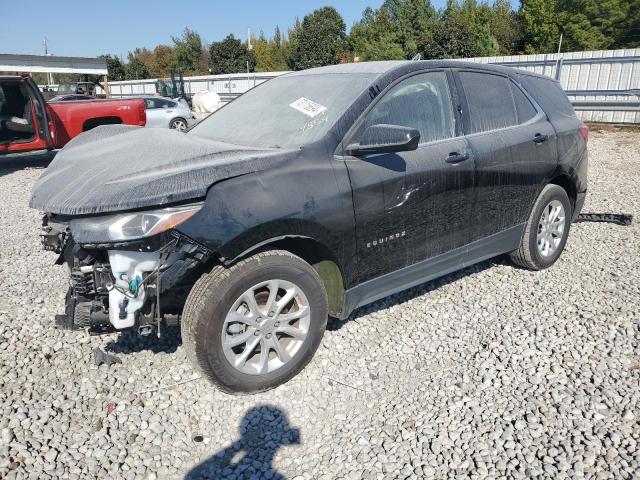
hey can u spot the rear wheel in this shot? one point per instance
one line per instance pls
(178, 124)
(255, 325)
(546, 231)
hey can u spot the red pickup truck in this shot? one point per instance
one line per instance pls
(28, 122)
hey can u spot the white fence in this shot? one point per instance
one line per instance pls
(600, 84)
(228, 86)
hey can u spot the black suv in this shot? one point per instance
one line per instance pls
(309, 196)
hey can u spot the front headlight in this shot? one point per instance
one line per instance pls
(130, 226)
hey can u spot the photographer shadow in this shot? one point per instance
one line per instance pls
(264, 429)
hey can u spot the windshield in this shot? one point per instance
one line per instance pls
(285, 112)
(66, 88)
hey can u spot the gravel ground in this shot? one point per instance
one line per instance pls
(491, 372)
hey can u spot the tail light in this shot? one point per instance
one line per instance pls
(584, 132)
(142, 114)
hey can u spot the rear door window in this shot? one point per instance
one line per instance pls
(489, 100)
(421, 102)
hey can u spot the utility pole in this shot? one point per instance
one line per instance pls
(46, 54)
(558, 59)
(249, 47)
(560, 42)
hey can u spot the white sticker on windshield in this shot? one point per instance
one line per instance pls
(308, 107)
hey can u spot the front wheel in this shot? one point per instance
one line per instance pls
(256, 324)
(546, 231)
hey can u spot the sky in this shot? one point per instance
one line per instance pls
(89, 29)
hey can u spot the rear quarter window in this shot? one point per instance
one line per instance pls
(550, 96)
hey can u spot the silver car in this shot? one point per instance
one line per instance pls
(166, 112)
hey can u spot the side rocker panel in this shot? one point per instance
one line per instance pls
(431, 269)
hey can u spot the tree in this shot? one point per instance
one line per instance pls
(539, 24)
(320, 40)
(163, 61)
(187, 51)
(291, 42)
(115, 68)
(230, 56)
(376, 37)
(630, 29)
(135, 69)
(464, 30)
(452, 40)
(505, 27)
(592, 24)
(414, 21)
(269, 54)
(277, 37)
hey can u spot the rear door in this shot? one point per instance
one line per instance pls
(159, 113)
(154, 115)
(514, 146)
(411, 206)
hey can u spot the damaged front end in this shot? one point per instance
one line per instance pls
(130, 270)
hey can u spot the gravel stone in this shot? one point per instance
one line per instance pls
(491, 372)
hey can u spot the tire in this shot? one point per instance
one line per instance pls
(210, 313)
(531, 252)
(178, 124)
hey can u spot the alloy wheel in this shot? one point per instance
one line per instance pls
(551, 228)
(179, 125)
(266, 327)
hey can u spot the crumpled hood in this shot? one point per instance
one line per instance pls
(120, 167)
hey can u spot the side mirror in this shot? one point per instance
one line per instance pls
(385, 138)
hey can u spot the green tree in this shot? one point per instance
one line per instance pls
(269, 54)
(505, 27)
(290, 43)
(464, 30)
(539, 20)
(230, 56)
(187, 52)
(376, 37)
(320, 40)
(451, 39)
(115, 68)
(414, 21)
(630, 28)
(277, 37)
(592, 24)
(486, 42)
(135, 69)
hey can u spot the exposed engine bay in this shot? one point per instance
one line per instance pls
(141, 284)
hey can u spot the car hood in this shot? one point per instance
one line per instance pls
(118, 167)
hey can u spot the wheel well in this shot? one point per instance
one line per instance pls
(569, 186)
(95, 122)
(321, 259)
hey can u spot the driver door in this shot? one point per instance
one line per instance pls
(22, 100)
(414, 205)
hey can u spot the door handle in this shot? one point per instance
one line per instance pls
(169, 111)
(455, 157)
(540, 138)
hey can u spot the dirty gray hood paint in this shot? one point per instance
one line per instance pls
(117, 167)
